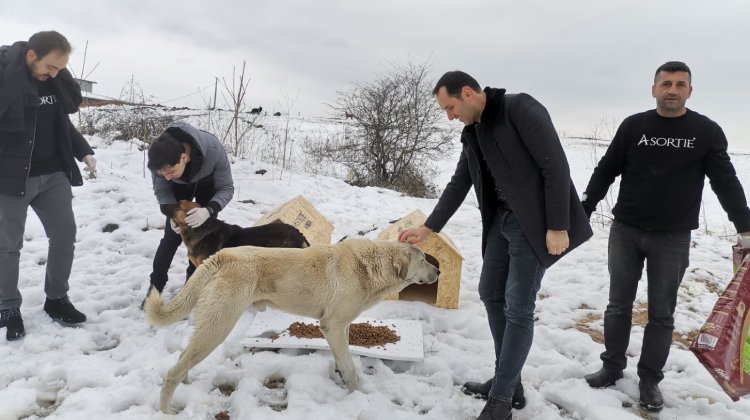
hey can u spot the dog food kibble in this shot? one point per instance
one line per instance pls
(360, 334)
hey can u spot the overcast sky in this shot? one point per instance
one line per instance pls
(587, 61)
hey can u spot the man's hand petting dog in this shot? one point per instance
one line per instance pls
(175, 227)
(197, 216)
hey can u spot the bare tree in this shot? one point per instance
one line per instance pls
(234, 96)
(394, 133)
(210, 108)
(289, 103)
(132, 92)
(601, 135)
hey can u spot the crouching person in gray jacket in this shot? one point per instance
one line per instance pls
(186, 164)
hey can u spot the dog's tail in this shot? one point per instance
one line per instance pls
(159, 314)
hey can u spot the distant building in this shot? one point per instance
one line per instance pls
(86, 85)
(92, 99)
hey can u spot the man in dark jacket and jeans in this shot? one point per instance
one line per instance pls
(38, 145)
(663, 156)
(530, 211)
(186, 163)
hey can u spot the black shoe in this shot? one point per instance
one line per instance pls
(477, 389)
(482, 390)
(62, 311)
(651, 398)
(495, 410)
(519, 400)
(11, 318)
(603, 378)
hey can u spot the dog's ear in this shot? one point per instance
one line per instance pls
(170, 209)
(403, 261)
(404, 270)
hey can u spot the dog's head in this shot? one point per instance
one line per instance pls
(412, 266)
(178, 211)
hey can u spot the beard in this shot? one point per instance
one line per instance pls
(672, 104)
(36, 73)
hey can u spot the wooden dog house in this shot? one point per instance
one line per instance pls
(299, 213)
(442, 253)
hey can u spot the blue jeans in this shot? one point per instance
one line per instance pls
(511, 276)
(667, 254)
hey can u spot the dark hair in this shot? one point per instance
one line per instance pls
(671, 67)
(454, 81)
(164, 151)
(46, 41)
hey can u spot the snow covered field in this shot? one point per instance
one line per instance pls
(113, 365)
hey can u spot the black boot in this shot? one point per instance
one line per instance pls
(482, 390)
(495, 410)
(603, 378)
(11, 319)
(519, 399)
(477, 389)
(62, 311)
(651, 398)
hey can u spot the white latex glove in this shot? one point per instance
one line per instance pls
(90, 162)
(175, 227)
(745, 241)
(197, 216)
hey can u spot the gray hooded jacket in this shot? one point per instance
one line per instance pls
(214, 162)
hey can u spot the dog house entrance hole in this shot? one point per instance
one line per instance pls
(422, 292)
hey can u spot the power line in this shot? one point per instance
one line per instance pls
(200, 90)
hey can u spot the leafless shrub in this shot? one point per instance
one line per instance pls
(392, 131)
(601, 135)
(242, 120)
(125, 122)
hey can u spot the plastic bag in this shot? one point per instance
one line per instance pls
(739, 252)
(723, 344)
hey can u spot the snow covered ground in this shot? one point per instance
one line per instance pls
(113, 365)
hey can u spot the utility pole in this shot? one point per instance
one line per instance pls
(216, 84)
(132, 94)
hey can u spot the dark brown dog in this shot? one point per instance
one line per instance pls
(213, 235)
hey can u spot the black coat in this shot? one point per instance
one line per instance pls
(19, 104)
(525, 158)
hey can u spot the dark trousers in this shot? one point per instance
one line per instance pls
(202, 192)
(667, 256)
(511, 277)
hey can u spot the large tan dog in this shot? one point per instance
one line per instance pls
(332, 283)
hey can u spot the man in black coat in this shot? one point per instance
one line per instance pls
(38, 145)
(531, 217)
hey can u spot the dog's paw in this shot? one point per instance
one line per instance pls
(168, 410)
(352, 385)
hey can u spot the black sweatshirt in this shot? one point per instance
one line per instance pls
(663, 162)
(45, 157)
